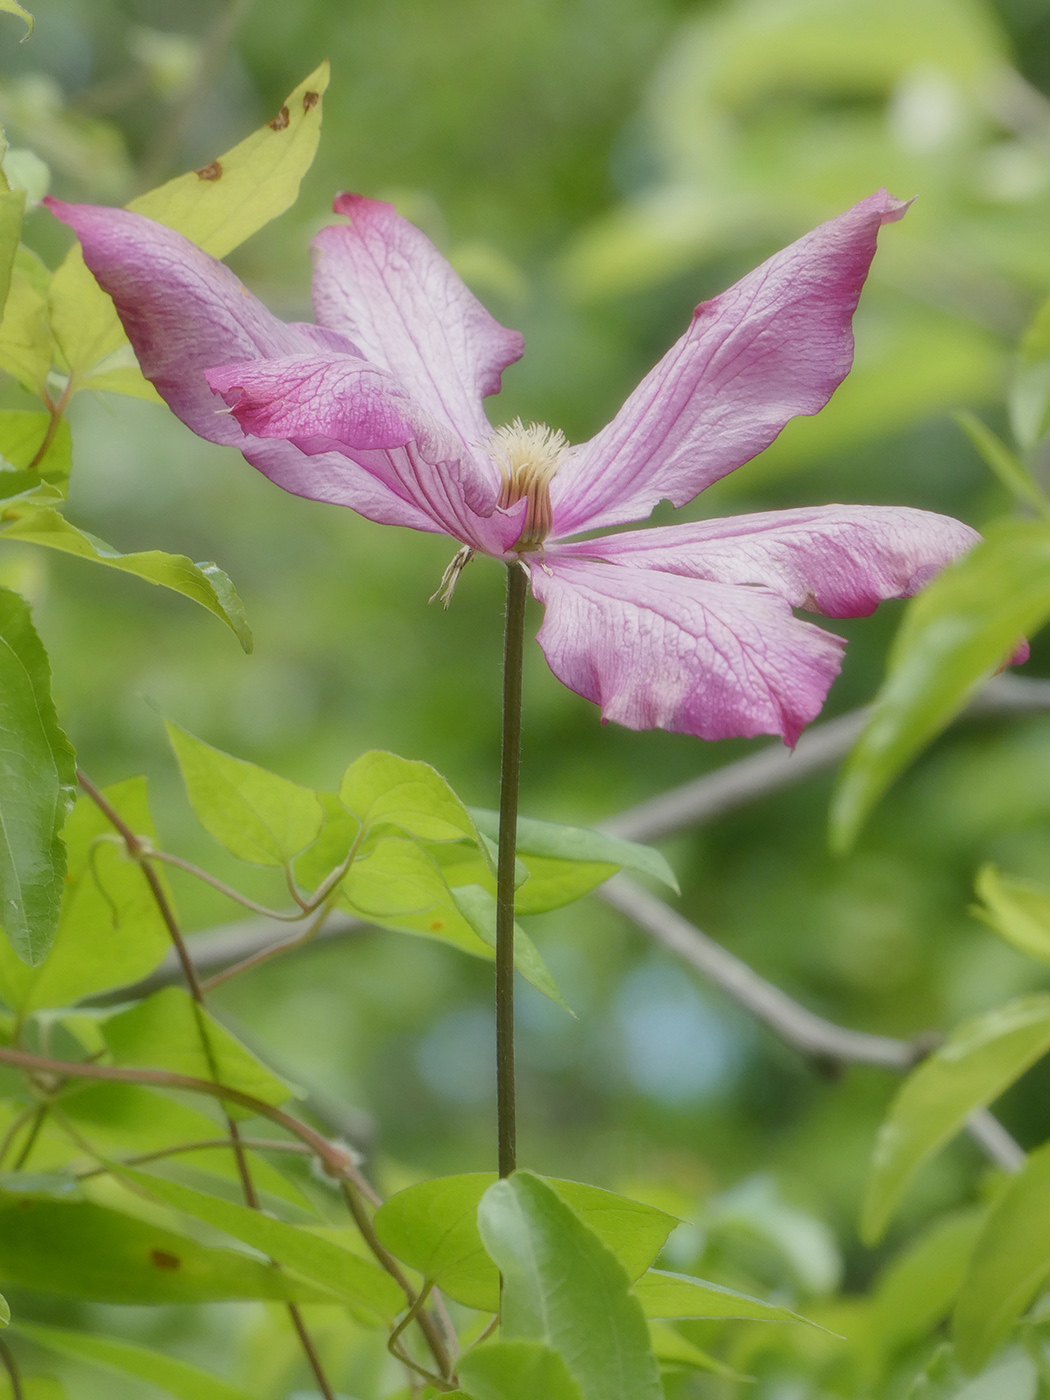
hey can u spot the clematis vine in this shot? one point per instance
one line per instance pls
(378, 407)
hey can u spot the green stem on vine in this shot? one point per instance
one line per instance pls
(510, 773)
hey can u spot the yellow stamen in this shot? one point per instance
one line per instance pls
(528, 456)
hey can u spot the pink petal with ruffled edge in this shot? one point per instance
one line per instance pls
(775, 345)
(838, 560)
(185, 312)
(657, 651)
(382, 282)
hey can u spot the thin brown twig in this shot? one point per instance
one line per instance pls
(336, 1161)
(253, 1144)
(140, 851)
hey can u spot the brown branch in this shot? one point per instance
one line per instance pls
(821, 1041)
(336, 1161)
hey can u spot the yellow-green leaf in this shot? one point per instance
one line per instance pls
(258, 816)
(204, 583)
(973, 1067)
(217, 207)
(1018, 910)
(12, 7)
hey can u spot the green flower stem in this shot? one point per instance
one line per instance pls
(510, 773)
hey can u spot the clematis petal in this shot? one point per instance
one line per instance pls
(345, 404)
(658, 651)
(381, 282)
(185, 312)
(838, 560)
(775, 345)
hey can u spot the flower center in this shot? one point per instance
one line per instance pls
(528, 456)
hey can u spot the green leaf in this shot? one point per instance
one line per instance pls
(1018, 910)
(332, 846)
(1006, 465)
(204, 583)
(433, 1227)
(577, 843)
(478, 907)
(1010, 1262)
(12, 7)
(359, 1281)
(398, 885)
(22, 434)
(174, 1377)
(12, 207)
(258, 816)
(217, 207)
(82, 1250)
(37, 787)
(35, 1388)
(975, 1064)
(5, 1311)
(665, 1295)
(954, 635)
(916, 1290)
(563, 1287)
(671, 1348)
(381, 789)
(27, 346)
(110, 932)
(166, 1031)
(517, 1371)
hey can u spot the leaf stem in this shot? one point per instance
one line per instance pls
(510, 774)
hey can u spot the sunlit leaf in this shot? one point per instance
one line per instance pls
(517, 1371)
(433, 1227)
(12, 207)
(27, 346)
(1018, 910)
(359, 1281)
(82, 1250)
(218, 207)
(666, 1295)
(1010, 1262)
(258, 816)
(975, 1065)
(5, 1311)
(382, 789)
(110, 931)
(25, 437)
(204, 583)
(167, 1031)
(399, 885)
(563, 1287)
(37, 787)
(170, 1375)
(578, 843)
(962, 627)
(478, 907)
(12, 7)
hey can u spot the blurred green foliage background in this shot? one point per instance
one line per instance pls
(593, 168)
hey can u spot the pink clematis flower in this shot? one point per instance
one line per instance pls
(379, 407)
